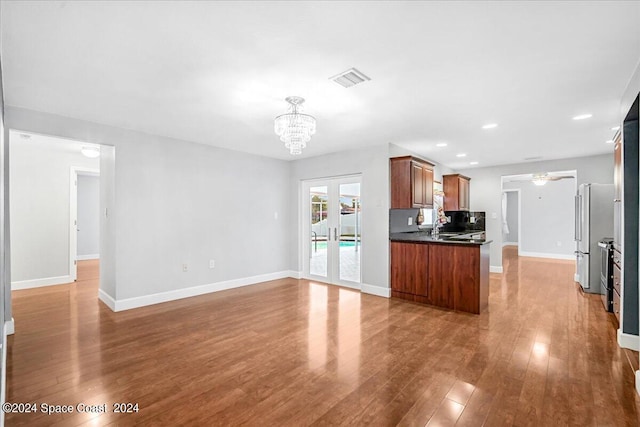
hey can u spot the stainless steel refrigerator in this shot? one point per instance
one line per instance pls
(594, 221)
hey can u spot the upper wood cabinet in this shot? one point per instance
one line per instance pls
(456, 192)
(617, 166)
(411, 183)
(617, 198)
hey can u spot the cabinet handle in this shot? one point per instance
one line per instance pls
(335, 233)
(616, 200)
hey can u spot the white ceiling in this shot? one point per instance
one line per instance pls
(218, 72)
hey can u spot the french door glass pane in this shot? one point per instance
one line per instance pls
(349, 230)
(318, 200)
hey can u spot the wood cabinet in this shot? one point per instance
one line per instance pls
(452, 276)
(411, 183)
(617, 258)
(409, 271)
(456, 192)
(617, 198)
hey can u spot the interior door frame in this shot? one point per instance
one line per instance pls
(74, 171)
(333, 273)
(518, 193)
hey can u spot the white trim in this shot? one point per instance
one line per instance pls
(38, 283)
(74, 171)
(295, 274)
(509, 244)
(547, 255)
(632, 342)
(375, 290)
(87, 257)
(10, 327)
(106, 298)
(638, 382)
(495, 269)
(3, 380)
(160, 297)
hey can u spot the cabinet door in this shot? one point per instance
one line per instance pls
(428, 187)
(409, 268)
(617, 168)
(441, 276)
(463, 194)
(417, 184)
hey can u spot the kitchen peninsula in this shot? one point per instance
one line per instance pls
(448, 271)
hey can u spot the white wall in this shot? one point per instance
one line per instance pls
(512, 218)
(39, 204)
(176, 202)
(547, 217)
(486, 188)
(88, 217)
(373, 164)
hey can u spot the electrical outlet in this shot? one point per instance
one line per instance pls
(494, 215)
(185, 268)
(275, 215)
(212, 263)
(410, 221)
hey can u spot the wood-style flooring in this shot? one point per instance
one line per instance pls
(294, 352)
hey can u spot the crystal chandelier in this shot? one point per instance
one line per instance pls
(295, 128)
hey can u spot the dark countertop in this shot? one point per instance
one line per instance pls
(444, 238)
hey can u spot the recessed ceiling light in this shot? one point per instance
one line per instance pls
(461, 155)
(615, 128)
(473, 163)
(441, 144)
(91, 152)
(583, 116)
(490, 126)
(609, 141)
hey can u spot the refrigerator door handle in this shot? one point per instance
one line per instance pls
(576, 235)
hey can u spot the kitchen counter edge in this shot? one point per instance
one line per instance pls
(407, 237)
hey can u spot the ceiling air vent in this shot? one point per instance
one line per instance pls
(349, 78)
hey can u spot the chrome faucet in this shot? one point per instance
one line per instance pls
(435, 231)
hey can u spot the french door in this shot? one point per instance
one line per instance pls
(331, 236)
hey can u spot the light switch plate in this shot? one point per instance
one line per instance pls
(410, 221)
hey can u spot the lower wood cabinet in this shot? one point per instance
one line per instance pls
(445, 275)
(409, 274)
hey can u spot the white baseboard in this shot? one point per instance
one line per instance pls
(638, 382)
(546, 255)
(632, 342)
(3, 370)
(295, 274)
(38, 283)
(106, 298)
(375, 290)
(87, 257)
(142, 301)
(509, 244)
(10, 327)
(495, 269)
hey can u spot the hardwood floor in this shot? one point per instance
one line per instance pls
(291, 352)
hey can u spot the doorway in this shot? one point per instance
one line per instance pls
(332, 225)
(511, 218)
(85, 218)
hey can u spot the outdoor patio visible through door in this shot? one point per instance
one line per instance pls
(331, 230)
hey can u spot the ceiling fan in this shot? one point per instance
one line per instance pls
(542, 178)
